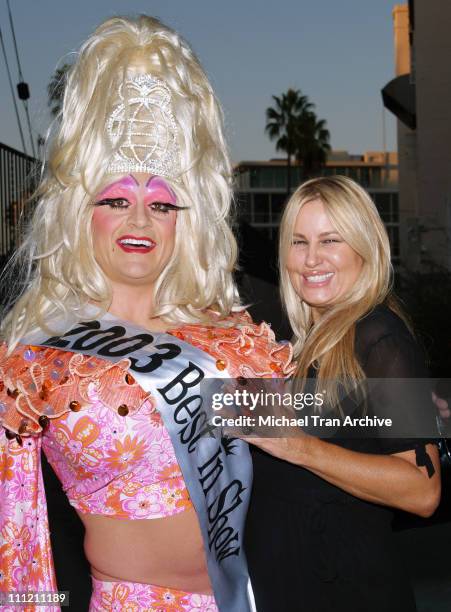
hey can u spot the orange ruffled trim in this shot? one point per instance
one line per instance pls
(38, 384)
(246, 349)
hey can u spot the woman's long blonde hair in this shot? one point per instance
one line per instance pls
(328, 345)
(60, 273)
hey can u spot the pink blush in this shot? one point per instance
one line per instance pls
(103, 220)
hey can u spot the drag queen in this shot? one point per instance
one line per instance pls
(128, 304)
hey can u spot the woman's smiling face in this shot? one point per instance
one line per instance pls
(133, 229)
(322, 267)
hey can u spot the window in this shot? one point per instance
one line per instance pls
(375, 177)
(277, 205)
(255, 177)
(270, 177)
(296, 176)
(364, 177)
(242, 179)
(388, 206)
(383, 203)
(280, 177)
(395, 207)
(261, 208)
(244, 206)
(393, 235)
(353, 173)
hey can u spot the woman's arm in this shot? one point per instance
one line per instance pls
(391, 480)
(397, 477)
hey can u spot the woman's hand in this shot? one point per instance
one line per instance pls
(442, 406)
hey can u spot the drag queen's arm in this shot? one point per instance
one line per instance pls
(26, 564)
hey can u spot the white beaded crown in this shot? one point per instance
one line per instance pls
(142, 129)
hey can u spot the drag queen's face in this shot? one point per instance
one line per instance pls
(133, 228)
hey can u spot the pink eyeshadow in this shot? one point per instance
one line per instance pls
(158, 188)
(123, 186)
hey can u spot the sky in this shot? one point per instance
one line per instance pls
(340, 54)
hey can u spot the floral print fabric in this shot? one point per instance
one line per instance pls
(114, 465)
(138, 597)
(25, 553)
(110, 462)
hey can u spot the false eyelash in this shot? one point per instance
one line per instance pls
(172, 206)
(108, 201)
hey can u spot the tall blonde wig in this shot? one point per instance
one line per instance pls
(61, 274)
(328, 345)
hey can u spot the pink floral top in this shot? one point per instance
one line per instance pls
(102, 434)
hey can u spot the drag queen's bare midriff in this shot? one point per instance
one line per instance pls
(166, 551)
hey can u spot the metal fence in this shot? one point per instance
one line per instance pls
(18, 173)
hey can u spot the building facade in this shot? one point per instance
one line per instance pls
(261, 188)
(420, 97)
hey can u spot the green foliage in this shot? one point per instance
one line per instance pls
(55, 89)
(312, 145)
(293, 124)
(282, 123)
(282, 119)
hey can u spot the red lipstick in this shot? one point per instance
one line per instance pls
(136, 244)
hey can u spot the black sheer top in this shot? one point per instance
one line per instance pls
(312, 546)
(398, 388)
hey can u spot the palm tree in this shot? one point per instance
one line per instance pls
(55, 89)
(312, 143)
(282, 123)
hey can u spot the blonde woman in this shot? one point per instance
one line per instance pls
(326, 507)
(128, 303)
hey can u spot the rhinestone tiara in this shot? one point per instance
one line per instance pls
(142, 129)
